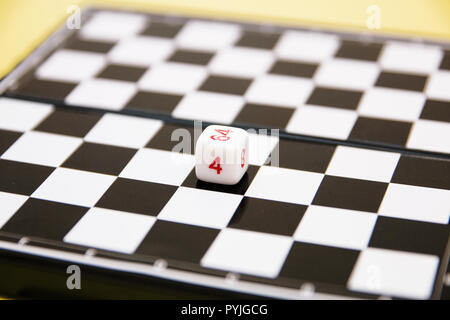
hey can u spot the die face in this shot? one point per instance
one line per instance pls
(221, 155)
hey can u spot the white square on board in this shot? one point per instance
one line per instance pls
(209, 106)
(159, 166)
(21, 115)
(394, 273)
(438, 86)
(71, 65)
(207, 35)
(112, 26)
(386, 103)
(430, 135)
(102, 93)
(347, 74)
(363, 164)
(416, 203)
(322, 121)
(123, 131)
(336, 227)
(140, 51)
(260, 146)
(306, 46)
(173, 78)
(281, 91)
(410, 57)
(110, 230)
(9, 204)
(241, 62)
(74, 187)
(249, 252)
(42, 148)
(286, 185)
(200, 207)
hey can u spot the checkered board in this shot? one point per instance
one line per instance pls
(331, 219)
(358, 88)
(103, 188)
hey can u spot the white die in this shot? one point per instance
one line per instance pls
(221, 155)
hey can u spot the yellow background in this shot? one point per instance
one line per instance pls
(25, 23)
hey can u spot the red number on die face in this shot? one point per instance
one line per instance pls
(215, 165)
(223, 135)
(220, 138)
(222, 131)
(243, 158)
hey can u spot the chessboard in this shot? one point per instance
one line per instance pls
(392, 92)
(356, 206)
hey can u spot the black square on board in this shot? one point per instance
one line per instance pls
(239, 188)
(437, 110)
(44, 219)
(124, 73)
(319, 263)
(100, 158)
(403, 81)
(409, 235)
(267, 216)
(264, 116)
(353, 194)
(193, 57)
(167, 138)
(160, 29)
(154, 102)
(22, 178)
(136, 196)
(258, 40)
(338, 98)
(71, 123)
(381, 130)
(45, 89)
(445, 63)
(177, 241)
(359, 50)
(7, 138)
(237, 86)
(294, 69)
(76, 43)
(423, 172)
(304, 155)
